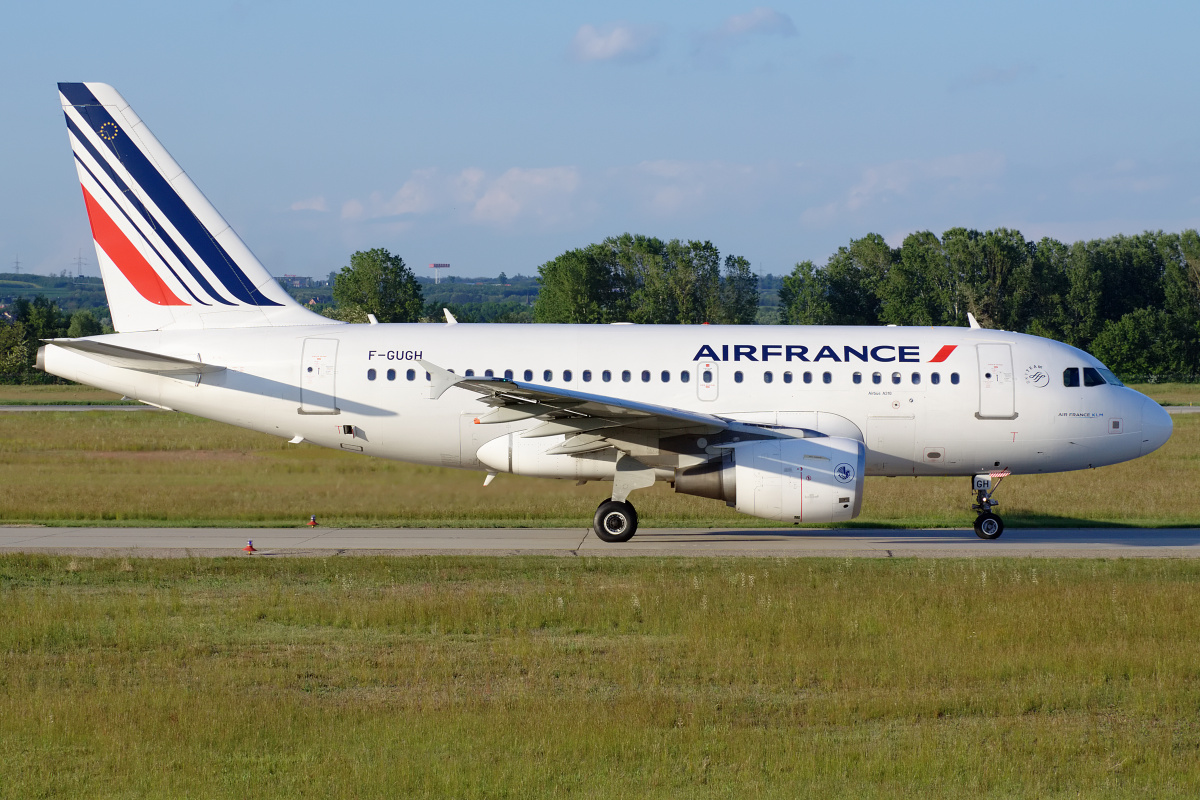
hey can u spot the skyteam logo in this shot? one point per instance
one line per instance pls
(844, 473)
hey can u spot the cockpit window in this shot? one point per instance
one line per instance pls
(1071, 376)
(1091, 377)
(1109, 377)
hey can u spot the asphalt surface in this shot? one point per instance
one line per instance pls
(696, 542)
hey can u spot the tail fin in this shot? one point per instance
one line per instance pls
(167, 257)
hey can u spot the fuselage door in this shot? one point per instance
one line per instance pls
(706, 380)
(996, 384)
(318, 372)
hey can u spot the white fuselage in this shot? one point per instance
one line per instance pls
(925, 401)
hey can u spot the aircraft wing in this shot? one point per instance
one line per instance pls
(591, 421)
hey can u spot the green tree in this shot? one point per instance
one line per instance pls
(739, 292)
(14, 351)
(83, 323)
(1141, 345)
(42, 318)
(377, 282)
(581, 286)
(803, 298)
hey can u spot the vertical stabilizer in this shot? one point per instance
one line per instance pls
(168, 259)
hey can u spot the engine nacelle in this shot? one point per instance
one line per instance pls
(793, 480)
(511, 453)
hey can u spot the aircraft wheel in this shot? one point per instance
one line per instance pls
(615, 521)
(988, 526)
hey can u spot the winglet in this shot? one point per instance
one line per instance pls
(440, 379)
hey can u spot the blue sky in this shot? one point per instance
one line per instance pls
(495, 136)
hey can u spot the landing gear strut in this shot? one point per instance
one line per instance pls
(615, 521)
(987, 524)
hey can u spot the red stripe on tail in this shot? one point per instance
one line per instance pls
(943, 354)
(133, 266)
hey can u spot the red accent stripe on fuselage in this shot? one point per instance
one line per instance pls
(133, 265)
(943, 354)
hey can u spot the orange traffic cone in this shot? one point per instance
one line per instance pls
(249, 548)
(312, 521)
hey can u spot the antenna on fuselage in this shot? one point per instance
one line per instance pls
(973, 322)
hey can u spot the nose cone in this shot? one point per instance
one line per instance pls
(1156, 426)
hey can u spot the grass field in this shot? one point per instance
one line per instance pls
(156, 468)
(152, 468)
(519, 677)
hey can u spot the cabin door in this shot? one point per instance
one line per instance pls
(706, 379)
(996, 384)
(318, 372)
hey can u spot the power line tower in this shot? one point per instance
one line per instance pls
(80, 263)
(17, 264)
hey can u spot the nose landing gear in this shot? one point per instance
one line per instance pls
(987, 524)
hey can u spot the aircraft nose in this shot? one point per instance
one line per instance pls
(1156, 426)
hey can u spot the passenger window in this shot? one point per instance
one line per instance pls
(528, 374)
(370, 374)
(768, 377)
(488, 373)
(606, 376)
(1091, 377)
(508, 374)
(737, 377)
(1071, 376)
(935, 378)
(787, 377)
(858, 377)
(876, 377)
(707, 376)
(954, 378)
(566, 375)
(391, 373)
(470, 373)
(808, 377)
(895, 377)
(685, 376)
(626, 376)
(916, 378)
(587, 376)
(827, 377)
(645, 376)
(411, 375)
(548, 375)
(666, 376)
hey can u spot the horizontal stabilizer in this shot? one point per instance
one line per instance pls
(140, 360)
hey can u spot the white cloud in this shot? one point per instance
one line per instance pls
(713, 46)
(965, 174)
(761, 20)
(618, 42)
(540, 195)
(311, 204)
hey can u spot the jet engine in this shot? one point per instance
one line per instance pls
(793, 480)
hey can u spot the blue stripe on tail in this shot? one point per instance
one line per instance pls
(167, 199)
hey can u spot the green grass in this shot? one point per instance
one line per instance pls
(98, 468)
(517, 677)
(175, 469)
(58, 394)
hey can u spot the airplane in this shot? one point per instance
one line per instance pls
(779, 422)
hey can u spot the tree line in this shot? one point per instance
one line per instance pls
(1132, 301)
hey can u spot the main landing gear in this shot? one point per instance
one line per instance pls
(615, 521)
(987, 524)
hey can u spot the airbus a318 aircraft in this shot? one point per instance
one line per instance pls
(780, 422)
